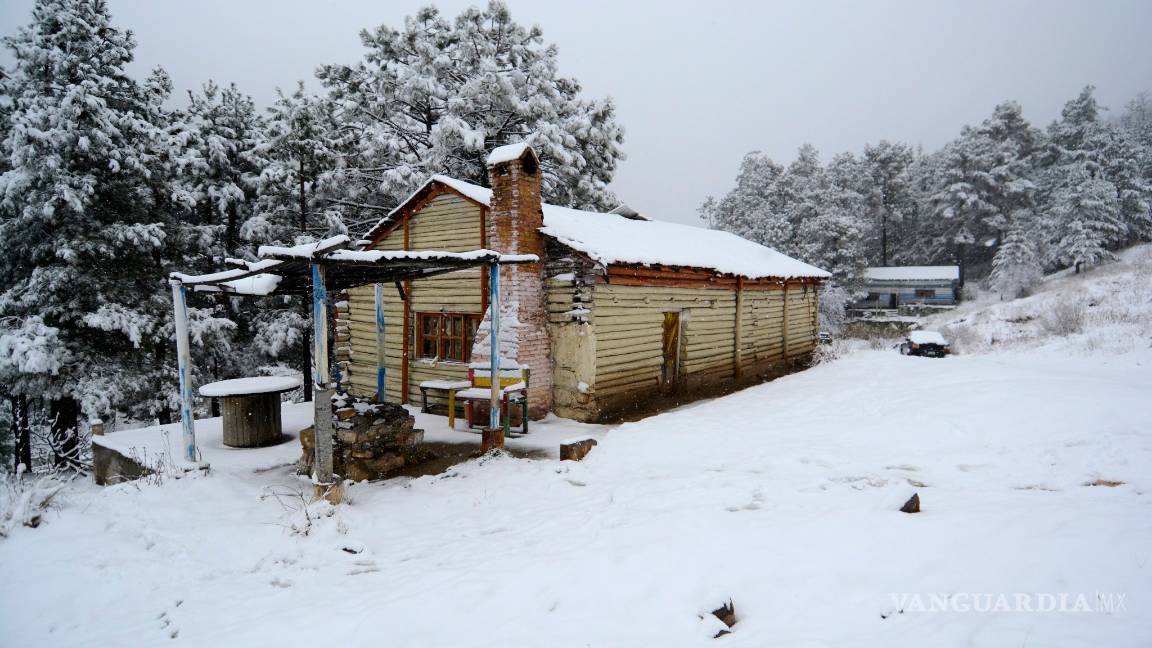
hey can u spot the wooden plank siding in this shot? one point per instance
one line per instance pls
(444, 222)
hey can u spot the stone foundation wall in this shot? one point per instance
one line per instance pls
(372, 441)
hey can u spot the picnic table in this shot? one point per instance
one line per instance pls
(251, 408)
(450, 386)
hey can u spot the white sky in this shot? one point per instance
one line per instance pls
(699, 84)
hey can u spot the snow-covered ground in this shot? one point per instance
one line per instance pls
(782, 498)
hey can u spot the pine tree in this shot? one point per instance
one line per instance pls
(754, 208)
(1016, 267)
(887, 199)
(303, 152)
(1081, 206)
(81, 251)
(436, 95)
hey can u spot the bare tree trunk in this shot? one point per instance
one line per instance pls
(884, 238)
(306, 351)
(23, 432)
(65, 432)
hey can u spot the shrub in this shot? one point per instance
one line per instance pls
(1065, 317)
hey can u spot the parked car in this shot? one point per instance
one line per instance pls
(824, 337)
(925, 343)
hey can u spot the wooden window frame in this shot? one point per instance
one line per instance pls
(442, 339)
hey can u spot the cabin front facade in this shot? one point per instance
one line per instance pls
(893, 287)
(620, 311)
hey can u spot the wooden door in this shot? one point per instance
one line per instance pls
(670, 370)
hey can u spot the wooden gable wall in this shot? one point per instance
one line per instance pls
(447, 222)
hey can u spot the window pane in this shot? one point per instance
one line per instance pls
(431, 323)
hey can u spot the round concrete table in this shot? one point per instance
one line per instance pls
(251, 408)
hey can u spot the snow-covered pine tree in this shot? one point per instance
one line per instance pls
(220, 160)
(985, 179)
(754, 208)
(436, 95)
(887, 196)
(303, 153)
(81, 249)
(1081, 206)
(1016, 267)
(1084, 207)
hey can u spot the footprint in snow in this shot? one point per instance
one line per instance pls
(754, 505)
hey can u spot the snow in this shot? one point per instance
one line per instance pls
(908, 273)
(782, 497)
(259, 284)
(252, 385)
(790, 514)
(304, 250)
(376, 256)
(927, 337)
(508, 152)
(445, 384)
(149, 444)
(610, 238)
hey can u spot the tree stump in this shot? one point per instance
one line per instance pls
(251, 420)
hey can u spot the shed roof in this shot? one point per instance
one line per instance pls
(287, 270)
(913, 273)
(613, 238)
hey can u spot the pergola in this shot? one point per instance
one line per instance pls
(320, 269)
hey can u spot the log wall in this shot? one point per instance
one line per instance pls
(446, 222)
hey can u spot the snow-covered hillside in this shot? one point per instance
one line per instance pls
(1033, 464)
(1107, 309)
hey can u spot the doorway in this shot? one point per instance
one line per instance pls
(670, 369)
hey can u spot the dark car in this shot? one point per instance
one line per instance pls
(925, 343)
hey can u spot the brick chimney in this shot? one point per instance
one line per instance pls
(513, 227)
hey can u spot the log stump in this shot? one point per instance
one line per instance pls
(251, 420)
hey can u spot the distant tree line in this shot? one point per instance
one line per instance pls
(1005, 201)
(107, 184)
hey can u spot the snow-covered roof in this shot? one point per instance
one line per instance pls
(612, 238)
(508, 152)
(913, 273)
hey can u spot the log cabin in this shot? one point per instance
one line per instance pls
(620, 313)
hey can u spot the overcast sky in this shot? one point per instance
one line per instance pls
(699, 84)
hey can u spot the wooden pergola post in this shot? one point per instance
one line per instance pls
(493, 437)
(381, 373)
(322, 388)
(184, 369)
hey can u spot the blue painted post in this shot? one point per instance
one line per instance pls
(380, 358)
(184, 368)
(494, 342)
(322, 391)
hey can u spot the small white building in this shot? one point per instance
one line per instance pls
(893, 287)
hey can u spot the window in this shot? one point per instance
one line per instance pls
(925, 294)
(447, 336)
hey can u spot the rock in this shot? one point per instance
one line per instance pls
(912, 505)
(377, 468)
(409, 437)
(308, 438)
(576, 450)
(348, 436)
(727, 615)
(345, 413)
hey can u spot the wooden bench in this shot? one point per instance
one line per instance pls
(513, 391)
(448, 386)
